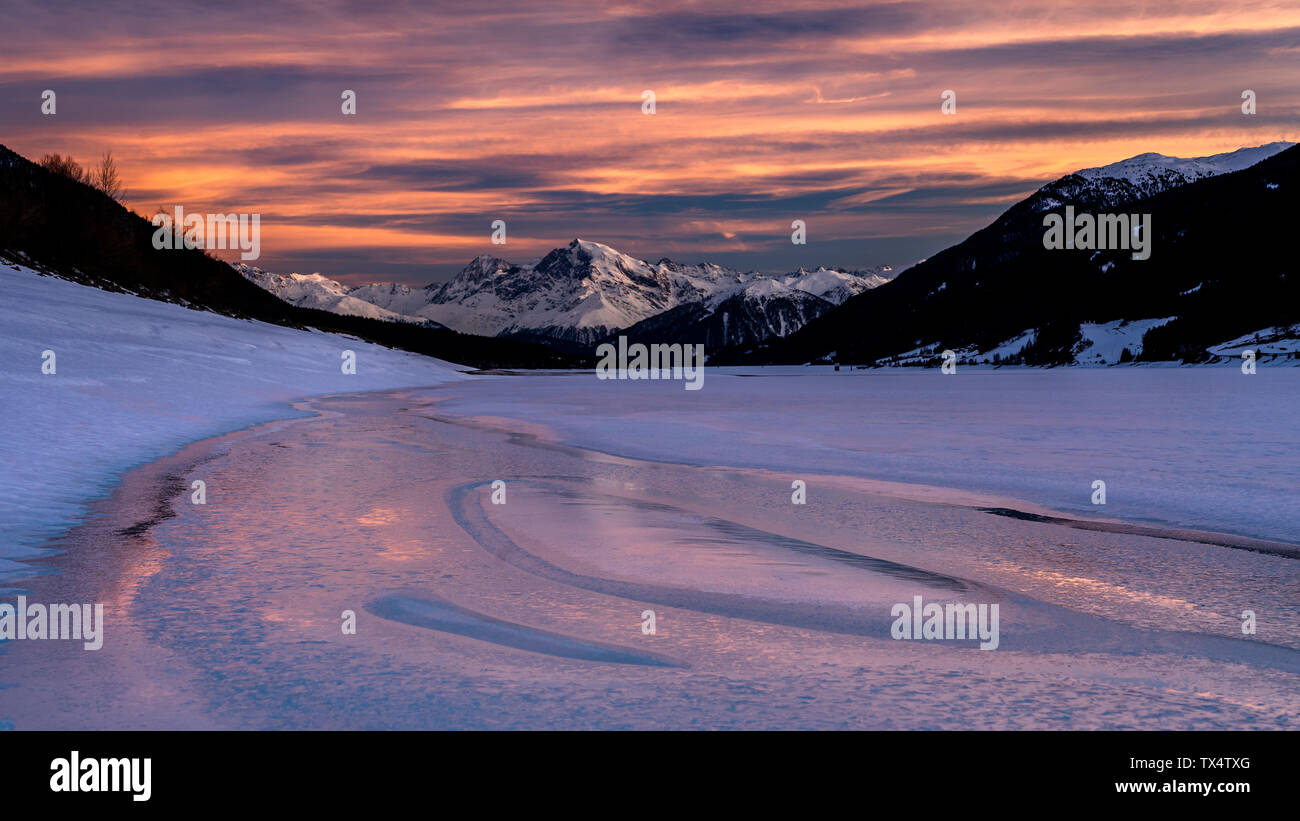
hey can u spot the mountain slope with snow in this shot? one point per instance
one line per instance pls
(1153, 171)
(1219, 267)
(318, 292)
(135, 379)
(1111, 186)
(836, 286)
(758, 308)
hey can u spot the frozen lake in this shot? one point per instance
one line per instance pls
(532, 613)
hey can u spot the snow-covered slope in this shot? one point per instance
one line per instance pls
(835, 285)
(135, 379)
(1269, 345)
(1159, 171)
(757, 307)
(1142, 176)
(830, 285)
(579, 293)
(1105, 343)
(319, 292)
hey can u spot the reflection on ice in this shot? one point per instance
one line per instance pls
(627, 537)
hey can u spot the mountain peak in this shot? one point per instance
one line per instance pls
(596, 248)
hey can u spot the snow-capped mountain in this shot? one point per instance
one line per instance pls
(319, 292)
(836, 286)
(578, 293)
(1144, 175)
(1157, 172)
(581, 293)
(1219, 269)
(758, 308)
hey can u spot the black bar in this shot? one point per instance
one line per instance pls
(441, 771)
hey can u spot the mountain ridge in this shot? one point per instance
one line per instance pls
(576, 294)
(1204, 281)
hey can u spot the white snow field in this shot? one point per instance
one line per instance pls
(136, 379)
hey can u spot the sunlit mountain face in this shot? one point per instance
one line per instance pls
(536, 114)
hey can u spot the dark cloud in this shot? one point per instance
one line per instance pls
(530, 112)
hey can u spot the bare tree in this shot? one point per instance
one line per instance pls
(106, 178)
(65, 166)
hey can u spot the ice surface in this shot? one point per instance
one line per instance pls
(472, 614)
(1208, 448)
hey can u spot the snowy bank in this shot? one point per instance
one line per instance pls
(135, 379)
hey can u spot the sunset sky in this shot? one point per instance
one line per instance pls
(531, 113)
